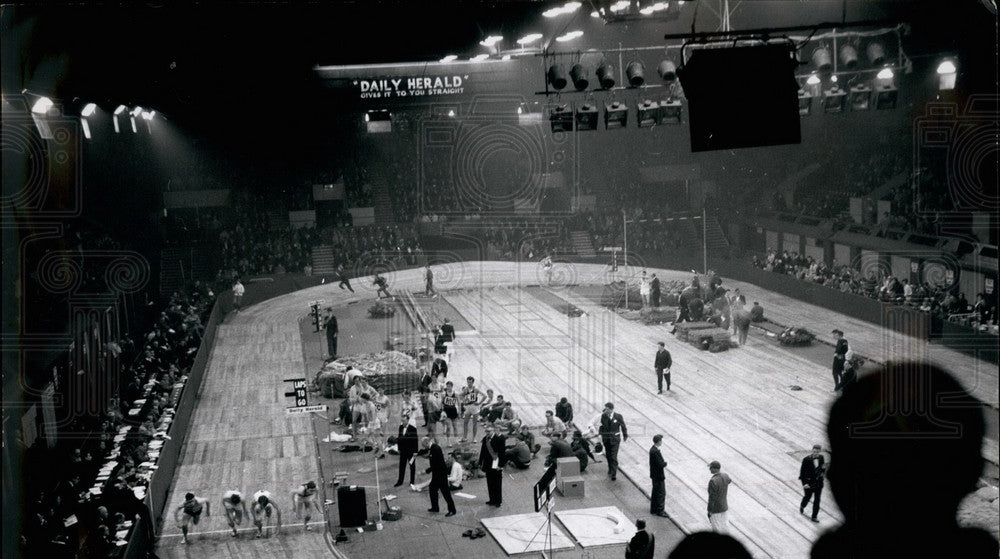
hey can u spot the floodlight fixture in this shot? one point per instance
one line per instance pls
(667, 71)
(136, 111)
(529, 38)
(876, 53)
(848, 57)
(578, 73)
(557, 77)
(813, 79)
(606, 76)
(491, 40)
(88, 110)
(821, 59)
(450, 58)
(885, 74)
(635, 73)
(120, 109)
(41, 106)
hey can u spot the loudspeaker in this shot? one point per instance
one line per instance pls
(742, 97)
(352, 505)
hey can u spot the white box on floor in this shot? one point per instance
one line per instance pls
(567, 466)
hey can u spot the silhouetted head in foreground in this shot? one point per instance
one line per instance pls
(906, 448)
(709, 545)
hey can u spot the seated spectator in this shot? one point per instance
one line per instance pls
(582, 444)
(518, 453)
(553, 425)
(493, 412)
(508, 420)
(891, 511)
(528, 437)
(564, 410)
(756, 312)
(558, 448)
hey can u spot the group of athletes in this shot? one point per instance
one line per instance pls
(262, 509)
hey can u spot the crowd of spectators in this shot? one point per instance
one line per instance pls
(373, 243)
(940, 300)
(89, 488)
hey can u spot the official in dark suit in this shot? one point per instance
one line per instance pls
(839, 357)
(811, 474)
(492, 460)
(656, 466)
(613, 432)
(439, 479)
(662, 363)
(407, 445)
(642, 545)
(654, 291)
(331, 335)
(446, 333)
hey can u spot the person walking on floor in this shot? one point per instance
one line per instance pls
(344, 280)
(429, 281)
(718, 489)
(492, 459)
(663, 362)
(811, 475)
(656, 466)
(439, 478)
(613, 432)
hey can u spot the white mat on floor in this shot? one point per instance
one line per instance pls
(597, 526)
(524, 533)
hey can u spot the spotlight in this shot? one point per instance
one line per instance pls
(647, 113)
(136, 111)
(450, 58)
(813, 79)
(606, 75)
(41, 106)
(667, 70)
(834, 100)
(876, 53)
(848, 57)
(529, 38)
(491, 40)
(134, 129)
(148, 115)
(821, 59)
(86, 128)
(120, 109)
(561, 118)
(670, 111)
(479, 57)
(569, 36)
(586, 117)
(88, 110)
(885, 74)
(885, 97)
(805, 102)
(634, 72)
(615, 115)
(579, 76)
(861, 97)
(947, 72)
(118, 129)
(557, 77)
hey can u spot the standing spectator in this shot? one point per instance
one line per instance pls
(741, 321)
(654, 291)
(613, 432)
(644, 289)
(811, 476)
(439, 478)
(238, 291)
(662, 363)
(472, 397)
(642, 545)
(331, 333)
(656, 466)
(491, 462)
(839, 357)
(718, 489)
(406, 443)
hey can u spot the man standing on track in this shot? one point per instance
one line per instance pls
(406, 443)
(718, 489)
(662, 363)
(471, 398)
(811, 476)
(656, 466)
(839, 357)
(613, 432)
(491, 461)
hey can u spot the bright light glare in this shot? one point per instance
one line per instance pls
(813, 80)
(595, 14)
(885, 74)
(120, 109)
(137, 111)
(117, 127)
(148, 115)
(529, 38)
(567, 8)
(647, 10)
(134, 129)
(620, 5)
(479, 57)
(833, 79)
(451, 113)
(42, 105)
(569, 36)
(86, 128)
(946, 67)
(491, 40)
(505, 57)
(88, 109)
(450, 58)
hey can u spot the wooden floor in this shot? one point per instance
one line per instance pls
(734, 406)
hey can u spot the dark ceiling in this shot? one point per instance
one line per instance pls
(191, 61)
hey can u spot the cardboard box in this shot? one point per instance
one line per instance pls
(572, 487)
(567, 466)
